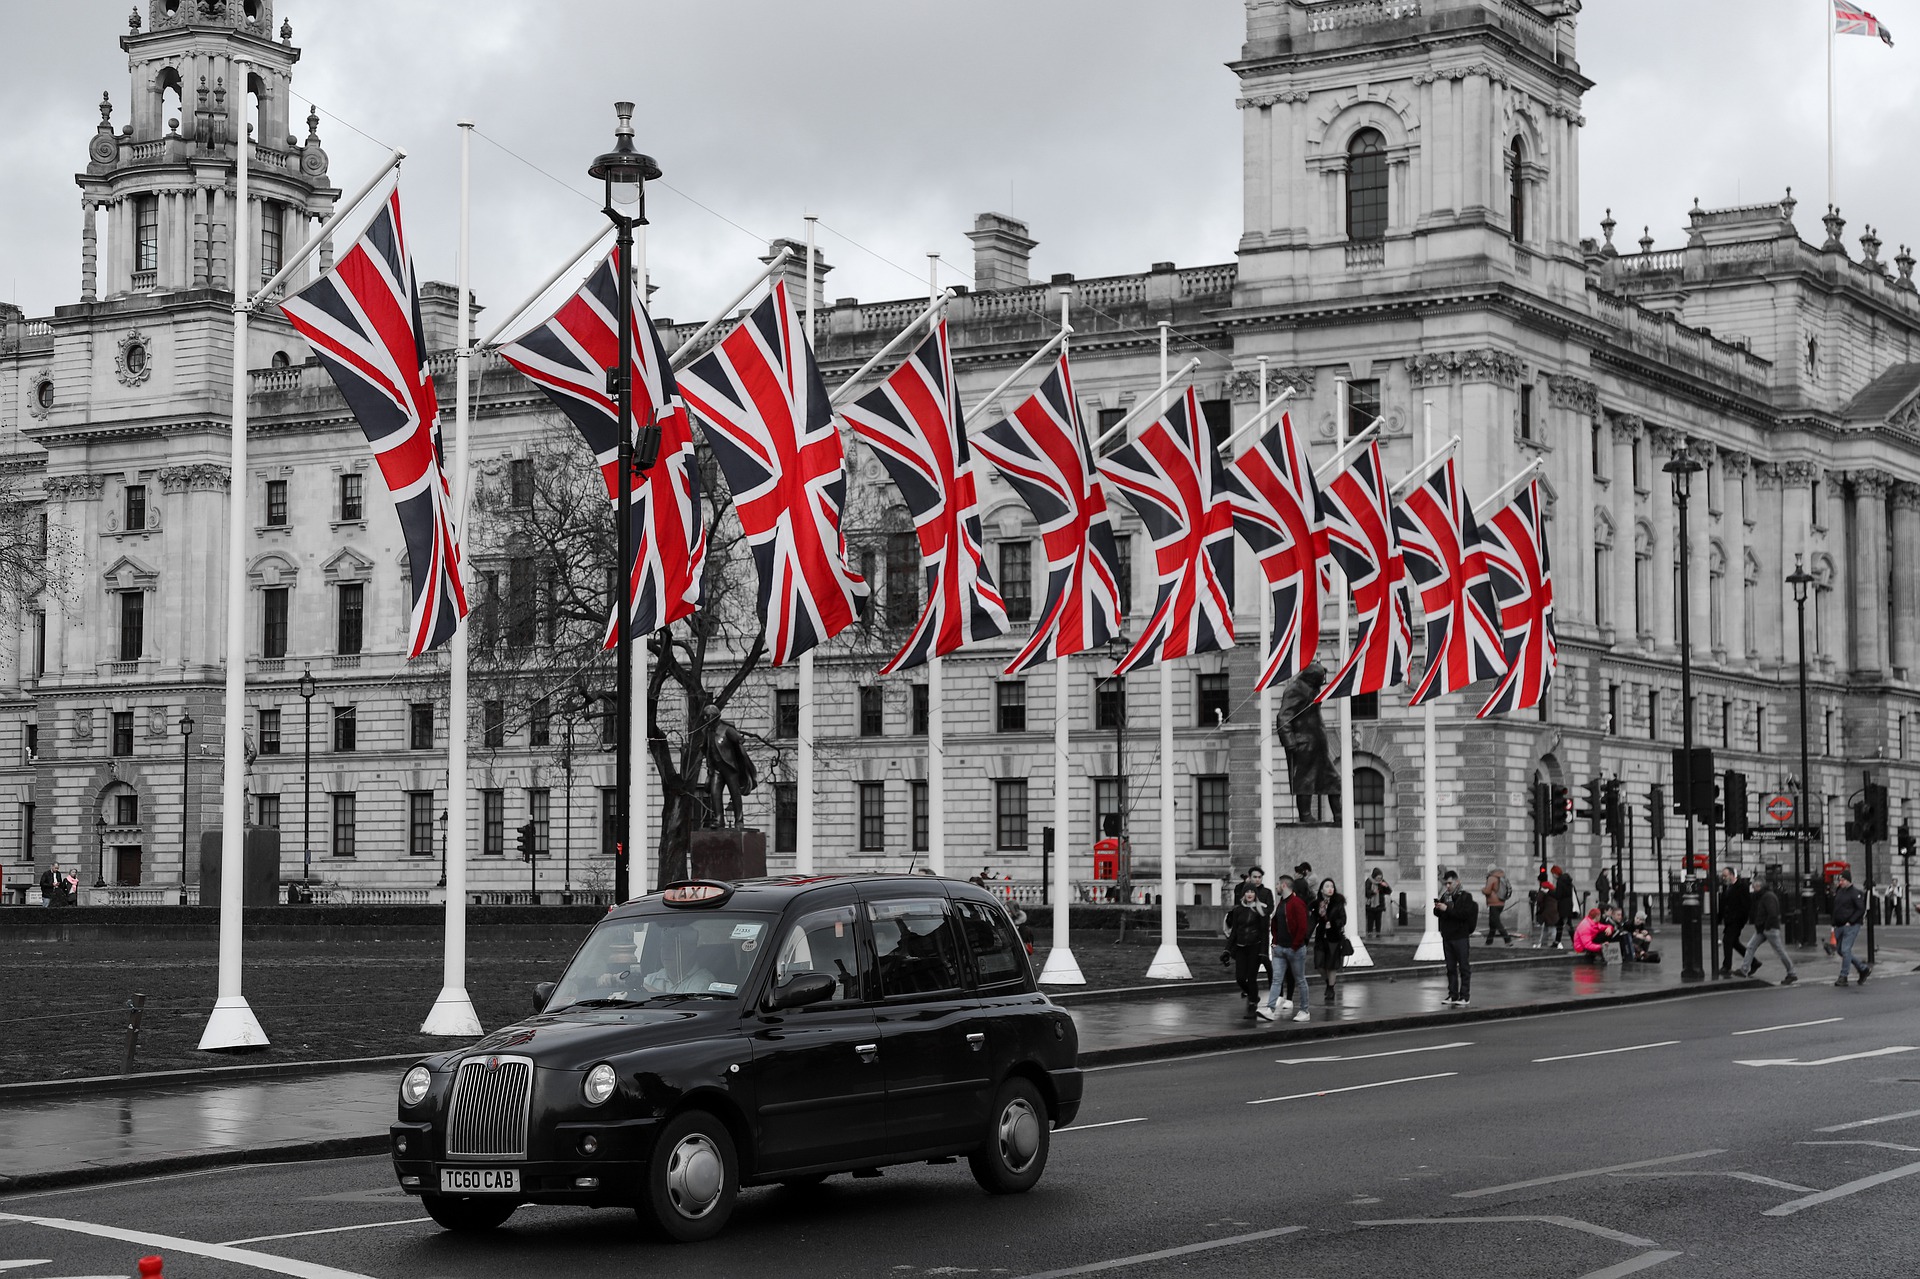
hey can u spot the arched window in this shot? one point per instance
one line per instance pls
(169, 99)
(1517, 192)
(1370, 812)
(1367, 186)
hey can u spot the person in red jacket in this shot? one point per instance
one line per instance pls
(1291, 927)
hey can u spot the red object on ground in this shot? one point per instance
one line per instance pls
(150, 1267)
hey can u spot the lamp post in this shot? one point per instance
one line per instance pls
(443, 848)
(566, 816)
(625, 173)
(1123, 851)
(307, 689)
(1682, 469)
(186, 775)
(1800, 580)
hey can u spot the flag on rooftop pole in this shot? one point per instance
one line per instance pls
(1851, 20)
(1361, 537)
(1279, 513)
(1516, 550)
(362, 318)
(1446, 557)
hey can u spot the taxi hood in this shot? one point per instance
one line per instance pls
(579, 1037)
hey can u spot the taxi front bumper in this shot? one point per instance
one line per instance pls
(584, 1163)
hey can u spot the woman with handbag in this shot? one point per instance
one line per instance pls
(1330, 943)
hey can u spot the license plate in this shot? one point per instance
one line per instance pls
(480, 1181)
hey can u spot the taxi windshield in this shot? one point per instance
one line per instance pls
(664, 958)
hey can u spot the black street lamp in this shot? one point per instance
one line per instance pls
(308, 687)
(1117, 649)
(1683, 468)
(625, 173)
(1801, 580)
(186, 774)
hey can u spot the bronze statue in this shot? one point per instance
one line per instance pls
(1310, 769)
(731, 775)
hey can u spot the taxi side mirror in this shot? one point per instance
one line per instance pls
(802, 989)
(542, 992)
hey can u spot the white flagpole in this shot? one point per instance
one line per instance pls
(685, 353)
(936, 718)
(1061, 967)
(1349, 853)
(1430, 948)
(453, 1013)
(637, 712)
(803, 846)
(232, 1024)
(1833, 195)
(1168, 962)
(1266, 694)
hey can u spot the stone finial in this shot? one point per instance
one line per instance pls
(1870, 246)
(1788, 205)
(286, 31)
(106, 112)
(1904, 261)
(1646, 239)
(133, 20)
(1607, 224)
(313, 125)
(173, 127)
(1835, 224)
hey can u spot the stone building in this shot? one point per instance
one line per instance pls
(1411, 195)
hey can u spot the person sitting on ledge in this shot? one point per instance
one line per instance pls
(1591, 937)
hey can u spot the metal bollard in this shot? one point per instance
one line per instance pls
(150, 1268)
(136, 1006)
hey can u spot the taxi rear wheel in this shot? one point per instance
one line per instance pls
(467, 1216)
(1014, 1152)
(693, 1178)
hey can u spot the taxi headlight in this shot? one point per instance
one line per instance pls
(414, 1085)
(598, 1085)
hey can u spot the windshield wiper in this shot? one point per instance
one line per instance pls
(609, 1001)
(688, 994)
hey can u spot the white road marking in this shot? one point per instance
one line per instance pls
(1868, 1123)
(220, 1252)
(1164, 1253)
(15, 1265)
(1754, 1177)
(1586, 1172)
(1328, 1092)
(334, 1230)
(1632, 1265)
(1565, 1223)
(1831, 1061)
(1841, 1192)
(1111, 1123)
(1398, 1052)
(1603, 1052)
(1792, 1025)
(1883, 1145)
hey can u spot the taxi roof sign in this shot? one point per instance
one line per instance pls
(696, 892)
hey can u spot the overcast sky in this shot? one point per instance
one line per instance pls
(1108, 124)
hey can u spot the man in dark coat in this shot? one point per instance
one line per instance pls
(1246, 938)
(1458, 914)
(1255, 878)
(1735, 897)
(1763, 911)
(1310, 767)
(1849, 913)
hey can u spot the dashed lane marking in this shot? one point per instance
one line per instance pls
(1882, 1145)
(219, 1252)
(1111, 1123)
(1565, 1223)
(1792, 1025)
(334, 1230)
(1607, 1052)
(1184, 1251)
(1398, 1052)
(1328, 1092)
(1586, 1172)
(1834, 1061)
(1754, 1177)
(1868, 1123)
(1841, 1192)
(1632, 1265)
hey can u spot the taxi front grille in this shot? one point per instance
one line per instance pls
(487, 1115)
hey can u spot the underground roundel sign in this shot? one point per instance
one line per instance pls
(1779, 808)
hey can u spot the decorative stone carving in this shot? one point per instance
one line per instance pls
(1767, 476)
(1735, 464)
(1626, 426)
(1871, 484)
(83, 725)
(156, 721)
(1798, 475)
(1578, 394)
(40, 393)
(1245, 383)
(198, 477)
(133, 361)
(1667, 440)
(1906, 497)
(73, 488)
(1478, 364)
(1482, 69)
(1273, 99)
(1702, 451)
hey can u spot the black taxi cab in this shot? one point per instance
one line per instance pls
(714, 1036)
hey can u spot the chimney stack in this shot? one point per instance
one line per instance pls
(795, 272)
(1000, 248)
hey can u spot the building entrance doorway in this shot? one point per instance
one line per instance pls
(126, 865)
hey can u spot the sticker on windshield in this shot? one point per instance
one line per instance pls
(723, 987)
(743, 931)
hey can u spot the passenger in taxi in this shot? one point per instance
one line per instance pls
(681, 971)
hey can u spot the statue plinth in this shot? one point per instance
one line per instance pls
(730, 853)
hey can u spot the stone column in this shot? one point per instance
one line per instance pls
(1867, 578)
(1666, 545)
(1906, 564)
(1626, 435)
(1733, 523)
(89, 252)
(1700, 550)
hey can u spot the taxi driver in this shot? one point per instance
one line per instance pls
(679, 973)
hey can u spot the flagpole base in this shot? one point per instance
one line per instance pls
(452, 1015)
(1168, 964)
(1430, 951)
(1360, 958)
(1061, 969)
(232, 1027)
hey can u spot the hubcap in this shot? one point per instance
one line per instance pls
(1019, 1135)
(695, 1174)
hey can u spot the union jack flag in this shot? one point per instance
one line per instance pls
(1516, 549)
(1360, 535)
(1173, 479)
(1852, 20)
(1042, 449)
(912, 421)
(1279, 513)
(568, 357)
(1442, 545)
(363, 321)
(772, 432)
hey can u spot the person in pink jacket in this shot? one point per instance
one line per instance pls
(1591, 936)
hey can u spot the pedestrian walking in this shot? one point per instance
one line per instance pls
(1563, 893)
(1498, 891)
(1458, 914)
(1603, 889)
(52, 884)
(1288, 932)
(1735, 901)
(1849, 913)
(1256, 879)
(1764, 915)
(1246, 938)
(1379, 894)
(1546, 909)
(1330, 944)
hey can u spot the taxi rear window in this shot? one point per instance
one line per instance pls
(914, 942)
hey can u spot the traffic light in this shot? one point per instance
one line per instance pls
(1657, 811)
(1694, 785)
(1906, 840)
(1610, 810)
(1737, 804)
(1559, 809)
(1589, 810)
(524, 839)
(1875, 803)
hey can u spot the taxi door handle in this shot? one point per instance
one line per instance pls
(976, 1040)
(868, 1052)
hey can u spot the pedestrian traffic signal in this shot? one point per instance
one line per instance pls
(1737, 804)
(524, 837)
(1589, 810)
(1907, 843)
(1610, 808)
(1657, 811)
(1559, 809)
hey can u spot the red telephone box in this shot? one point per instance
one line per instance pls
(1106, 859)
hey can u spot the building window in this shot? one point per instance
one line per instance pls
(1639, 475)
(610, 833)
(1363, 404)
(1370, 810)
(921, 817)
(39, 642)
(1010, 815)
(136, 507)
(786, 817)
(1105, 421)
(1109, 807)
(1613, 710)
(126, 810)
(273, 622)
(1642, 587)
(352, 499)
(1367, 186)
(353, 600)
(270, 732)
(1760, 729)
(1594, 452)
(123, 733)
(903, 579)
(1726, 724)
(1123, 569)
(1826, 732)
(1110, 701)
(520, 483)
(872, 711)
(343, 825)
(523, 603)
(1365, 706)
(1215, 700)
(1653, 714)
(420, 726)
(540, 813)
(269, 239)
(921, 715)
(269, 810)
(1016, 579)
(1526, 412)
(419, 823)
(1600, 583)
(1010, 706)
(1517, 192)
(26, 832)
(609, 721)
(1210, 803)
(32, 732)
(346, 727)
(133, 625)
(873, 817)
(493, 822)
(867, 571)
(786, 712)
(493, 718)
(146, 233)
(540, 723)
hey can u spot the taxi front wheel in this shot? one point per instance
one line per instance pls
(1014, 1153)
(693, 1178)
(467, 1216)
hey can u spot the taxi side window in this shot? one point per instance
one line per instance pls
(914, 947)
(823, 942)
(998, 954)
